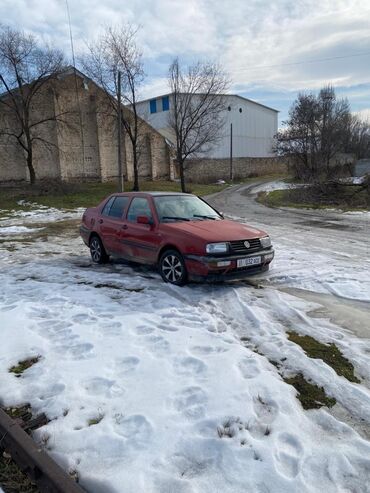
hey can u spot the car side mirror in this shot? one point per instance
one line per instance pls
(143, 220)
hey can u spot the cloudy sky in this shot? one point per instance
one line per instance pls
(272, 49)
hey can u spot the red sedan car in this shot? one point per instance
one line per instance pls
(180, 233)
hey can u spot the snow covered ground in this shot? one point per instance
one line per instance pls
(154, 388)
(274, 185)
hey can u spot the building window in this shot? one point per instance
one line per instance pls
(165, 103)
(153, 106)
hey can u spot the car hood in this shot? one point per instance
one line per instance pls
(213, 231)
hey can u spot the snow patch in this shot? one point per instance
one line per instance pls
(156, 386)
(17, 230)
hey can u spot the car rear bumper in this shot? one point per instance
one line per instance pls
(207, 269)
(85, 234)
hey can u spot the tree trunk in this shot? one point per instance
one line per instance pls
(31, 169)
(182, 174)
(135, 187)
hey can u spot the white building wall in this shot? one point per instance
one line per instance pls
(254, 127)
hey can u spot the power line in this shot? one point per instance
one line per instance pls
(76, 87)
(366, 53)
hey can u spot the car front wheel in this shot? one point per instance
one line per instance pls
(172, 268)
(97, 251)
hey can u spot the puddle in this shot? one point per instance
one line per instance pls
(351, 315)
(327, 225)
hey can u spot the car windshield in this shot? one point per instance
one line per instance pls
(183, 208)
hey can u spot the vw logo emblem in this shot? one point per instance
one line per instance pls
(247, 244)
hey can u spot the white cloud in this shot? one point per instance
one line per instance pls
(243, 35)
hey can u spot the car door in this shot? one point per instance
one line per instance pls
(111, 222)
(142, 240)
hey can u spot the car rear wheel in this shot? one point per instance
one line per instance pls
(97, 251)
(172, 268)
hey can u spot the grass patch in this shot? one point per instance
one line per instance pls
(22, 366)
(12, 479)
(329, 353)
(71, 196)
(310, 396)
(23, 412)
(337, 196)
(96, 420)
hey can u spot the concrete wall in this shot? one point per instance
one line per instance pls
(83, 145)
(211, 170)
(12, 157)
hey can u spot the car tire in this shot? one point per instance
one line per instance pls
(172, 268)
(97, 251)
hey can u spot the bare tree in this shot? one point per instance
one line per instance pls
(116, 51)
(26, 69)
(358, 137)
(319, 128)
(196, 109)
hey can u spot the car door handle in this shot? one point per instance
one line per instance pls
(100, 221)
(124, 226)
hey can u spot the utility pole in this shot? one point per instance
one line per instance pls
(120, 171)
(231, 153)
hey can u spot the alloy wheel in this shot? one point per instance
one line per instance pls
(95, 249)
(172, 268)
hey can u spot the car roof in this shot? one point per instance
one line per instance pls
(153, 194)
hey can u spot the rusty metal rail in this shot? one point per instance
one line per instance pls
(49, 477)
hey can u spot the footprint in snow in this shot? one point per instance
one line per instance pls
(39, 313)
(142, 330)
(266, 410)
(135, 428)
(8, 308)
(53, 391)
(288, 455)
(78, 351)
(83, 318)
(168, 328)
(102, 387)
(55, 325)
(191, 402)
(207, 350)
(249, 367)
(127, 364)
(190, 366)
(110, 328)
(157, 345)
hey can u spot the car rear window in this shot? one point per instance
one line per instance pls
(118, 207)
(107, 206)
(115, 206)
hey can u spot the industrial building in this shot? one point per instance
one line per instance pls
(248, 126)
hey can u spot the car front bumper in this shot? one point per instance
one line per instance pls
(206, 269)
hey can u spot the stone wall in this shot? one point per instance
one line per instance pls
(83, 144)
(211, 170)
(12, 158)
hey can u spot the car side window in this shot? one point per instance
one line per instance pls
(118, 207)
(139, 207)
(107, 206)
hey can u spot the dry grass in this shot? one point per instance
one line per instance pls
(22, 366)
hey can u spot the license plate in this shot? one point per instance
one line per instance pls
(243, 262)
